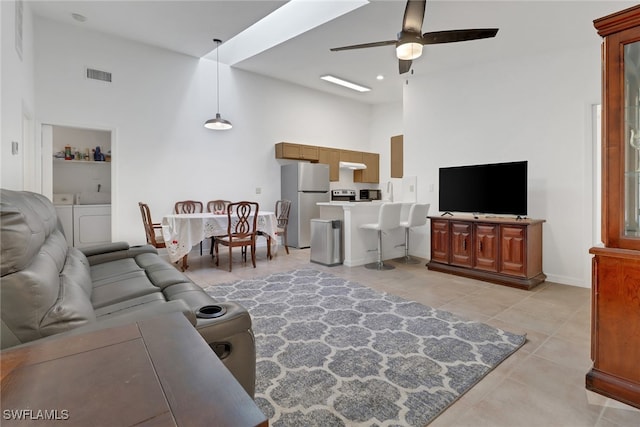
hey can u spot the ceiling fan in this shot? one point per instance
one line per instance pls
(410, 40)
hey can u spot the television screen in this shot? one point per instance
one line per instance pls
(497, 188)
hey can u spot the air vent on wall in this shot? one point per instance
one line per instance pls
(94, 74)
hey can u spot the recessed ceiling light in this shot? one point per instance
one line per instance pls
(380, 77)
(350, 85)
(78, 17)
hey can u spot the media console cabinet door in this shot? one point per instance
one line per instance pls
(486, 247)
(512, 240)
(461, 243)
(440, 240)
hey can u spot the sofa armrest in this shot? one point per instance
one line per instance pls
(115, 251)
(236, 320)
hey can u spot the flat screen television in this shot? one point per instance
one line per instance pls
(496, 188)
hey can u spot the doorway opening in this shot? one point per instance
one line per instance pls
(80, 181)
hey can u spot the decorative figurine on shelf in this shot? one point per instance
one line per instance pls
(98, 156)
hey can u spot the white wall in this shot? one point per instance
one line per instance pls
(534, 108)
(157, 105)
(386, 122)
(17, 99)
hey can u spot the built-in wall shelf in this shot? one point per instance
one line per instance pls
(78, 162)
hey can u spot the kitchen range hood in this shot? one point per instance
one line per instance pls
(352, 165)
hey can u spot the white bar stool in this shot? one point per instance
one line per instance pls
(417, 217)
(388, 219)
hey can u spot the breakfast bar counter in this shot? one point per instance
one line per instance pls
(359, 246)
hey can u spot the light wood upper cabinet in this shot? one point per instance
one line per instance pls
(372, 173)
(351, 156)
(286, 150)
(397, 153)
(331, 157)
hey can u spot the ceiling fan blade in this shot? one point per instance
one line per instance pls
(452, 36)
(360, 46)
(404, 65)
(413, 16)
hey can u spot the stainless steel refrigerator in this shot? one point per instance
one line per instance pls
(305, 184)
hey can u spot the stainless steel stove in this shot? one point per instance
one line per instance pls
(343, 195)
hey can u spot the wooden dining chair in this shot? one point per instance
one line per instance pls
(282, 217)
(217, 207)
(188, 207)
(241, 230)
(153, 238)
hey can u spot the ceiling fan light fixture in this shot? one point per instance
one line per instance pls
(409, 50)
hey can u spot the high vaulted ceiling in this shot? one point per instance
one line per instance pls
(188, 27)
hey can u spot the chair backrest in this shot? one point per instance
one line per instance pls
(218, 206)
(389, 216)
(242, 220)
(282, 212)
(188, 206)
(418, 214)
(149, 226)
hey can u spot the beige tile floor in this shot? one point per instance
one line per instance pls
(542, 384)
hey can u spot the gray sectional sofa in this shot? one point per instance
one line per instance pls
(48, 288)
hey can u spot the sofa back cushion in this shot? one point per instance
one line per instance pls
(46, 286)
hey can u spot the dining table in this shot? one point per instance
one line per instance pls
(182, 231)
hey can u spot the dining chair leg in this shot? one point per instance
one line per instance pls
(269, 247)
(217, 256)
(253, 254)
(230, 259)
(286, 245)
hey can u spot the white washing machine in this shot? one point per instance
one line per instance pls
(91, 225)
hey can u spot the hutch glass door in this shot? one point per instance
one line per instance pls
(632, 137)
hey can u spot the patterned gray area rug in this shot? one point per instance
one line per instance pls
(331, 352)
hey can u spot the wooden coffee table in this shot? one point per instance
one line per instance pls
(156, 372)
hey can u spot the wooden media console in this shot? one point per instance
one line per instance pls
(506, 251)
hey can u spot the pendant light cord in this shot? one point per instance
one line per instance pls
(218, 123)
(218, 41)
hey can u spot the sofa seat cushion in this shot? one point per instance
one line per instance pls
(129, 305)
(122, 288)
(165, 277)
(111, 269)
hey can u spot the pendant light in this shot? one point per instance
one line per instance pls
(218, 123)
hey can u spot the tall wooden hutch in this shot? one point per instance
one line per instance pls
(615, 317)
